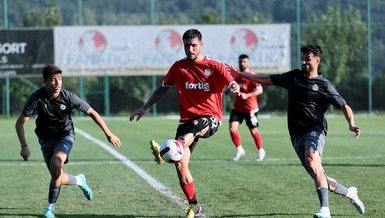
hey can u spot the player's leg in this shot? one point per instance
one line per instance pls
(186, 180)
(188, 135)
(187, 184)
(64, 145)
(253, 124)
(314, 145)
(309, 149)
(234, 122)
(55, 169)
(351, 193)
(47, 148)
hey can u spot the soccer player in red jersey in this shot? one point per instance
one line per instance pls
(310, 95)
(200, 82)
(246, 108)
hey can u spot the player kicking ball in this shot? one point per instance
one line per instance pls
(200, 81)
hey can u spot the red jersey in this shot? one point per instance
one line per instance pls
(250, 104)
(200, 85)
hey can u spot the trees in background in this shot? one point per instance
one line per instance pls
(340, 29)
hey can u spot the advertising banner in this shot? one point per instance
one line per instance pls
(25, 52)
(151, 50)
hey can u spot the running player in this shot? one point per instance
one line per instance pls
(310, 95)
(55, 131)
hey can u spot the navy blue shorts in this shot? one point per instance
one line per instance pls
(51, 146)
(310, 140)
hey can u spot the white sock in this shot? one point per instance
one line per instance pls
(79, 181)
(51, 207)
(325, 209)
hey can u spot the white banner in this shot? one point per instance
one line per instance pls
(151, 50)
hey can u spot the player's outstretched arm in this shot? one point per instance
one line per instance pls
(158, 93)
(19, 126)
(264, 79)
(113, 139)
(349, 116)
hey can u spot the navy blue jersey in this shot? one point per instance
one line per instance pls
(308, 100)
(53, 115)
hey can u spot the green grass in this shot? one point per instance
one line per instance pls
(276, 187)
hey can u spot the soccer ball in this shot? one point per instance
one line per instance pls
(171, 151)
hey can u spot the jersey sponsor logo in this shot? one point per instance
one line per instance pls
(315, 87)
(201, 86)
(62, 107)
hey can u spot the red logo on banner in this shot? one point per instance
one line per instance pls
(92, 42)
(244, 41)
(168, 42)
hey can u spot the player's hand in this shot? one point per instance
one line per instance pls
(356, 130)
(25, 152)
(244, 96)
(136, 115)
(231, 70)
(114, 140)
(234, 88)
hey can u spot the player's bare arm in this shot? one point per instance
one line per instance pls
(158, 93)
(349, 116)
(264, 79)
(113, 139)
(25, 153)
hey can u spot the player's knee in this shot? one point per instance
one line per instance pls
(332, 183)
(55, 167)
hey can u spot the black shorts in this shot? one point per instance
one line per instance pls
(50, 146)
(251, 118)
(185, 127)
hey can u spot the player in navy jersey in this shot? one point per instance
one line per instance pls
(310, 95)
(55, 131)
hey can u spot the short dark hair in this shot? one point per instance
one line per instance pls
(243, 56)
(49, 70)
(315, 49)
(192, 33)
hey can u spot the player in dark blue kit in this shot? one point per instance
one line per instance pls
(55, 131)
(310, 95)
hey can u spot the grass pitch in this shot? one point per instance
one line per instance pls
(126, 183)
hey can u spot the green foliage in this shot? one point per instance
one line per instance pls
(342, 36)
(50, 16)
(378, 92)
(338, 26)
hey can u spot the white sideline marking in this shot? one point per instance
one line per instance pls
(149, 179)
